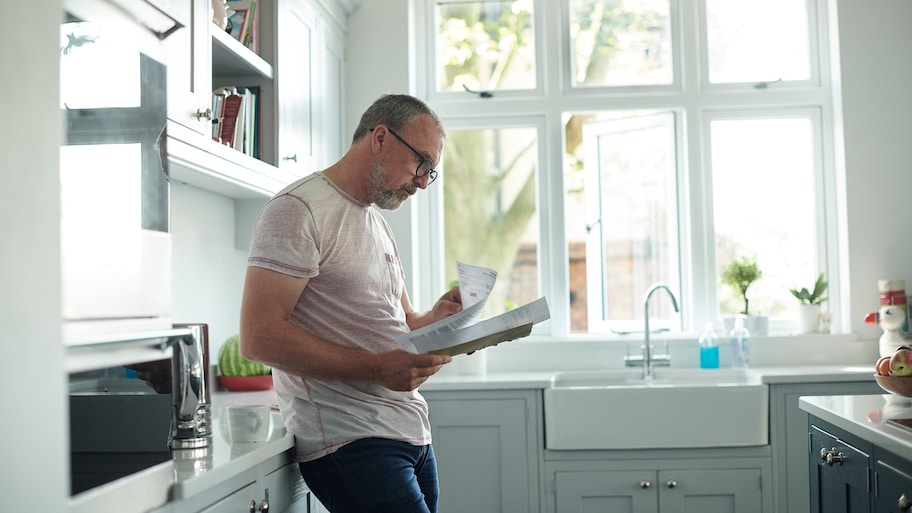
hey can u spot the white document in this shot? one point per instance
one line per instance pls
(461, 332)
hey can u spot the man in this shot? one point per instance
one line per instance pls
(323, 301)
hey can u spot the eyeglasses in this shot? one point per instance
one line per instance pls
(424, 164)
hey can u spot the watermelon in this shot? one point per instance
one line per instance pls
(231, 363)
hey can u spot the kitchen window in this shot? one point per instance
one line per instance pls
(598, 147)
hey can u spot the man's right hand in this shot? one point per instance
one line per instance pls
(403, 371)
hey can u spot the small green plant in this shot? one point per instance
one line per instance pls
(814, 297)
(739, 275)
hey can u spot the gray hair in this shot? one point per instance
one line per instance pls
(397, 111)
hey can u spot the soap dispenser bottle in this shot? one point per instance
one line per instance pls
(709, 348)
(740, 339)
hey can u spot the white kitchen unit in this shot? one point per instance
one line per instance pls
(189, 64)
(487, 445)
(300, 95)
(789, 438)
(708, 481)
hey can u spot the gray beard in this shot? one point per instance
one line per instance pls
(387, 199)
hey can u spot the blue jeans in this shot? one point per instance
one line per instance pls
(375, 475)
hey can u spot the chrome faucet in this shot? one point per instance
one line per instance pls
(648, 360)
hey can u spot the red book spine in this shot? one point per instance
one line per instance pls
(230, 109)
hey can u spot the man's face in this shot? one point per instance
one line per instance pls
(384, 197)
(405, 168)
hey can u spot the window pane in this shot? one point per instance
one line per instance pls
(753, 41)
(764, 204)
(490, 210)
(620, 42)
(629, 227)
(485, 46)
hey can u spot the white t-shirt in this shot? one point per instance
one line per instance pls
(312, 229)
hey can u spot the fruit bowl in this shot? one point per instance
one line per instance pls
(246, 383)
(899, 385)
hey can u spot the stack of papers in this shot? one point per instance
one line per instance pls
(462, 332)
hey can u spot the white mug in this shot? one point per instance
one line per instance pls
(249, 423)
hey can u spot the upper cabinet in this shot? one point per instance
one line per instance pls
(189, 58)
(297, 75)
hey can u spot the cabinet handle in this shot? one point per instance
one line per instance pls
(903, 503)
(671, 483)
(204, 114)
(833, 457)
(293, 157)
(645, 483)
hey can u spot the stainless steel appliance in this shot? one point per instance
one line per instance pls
(115, 241)
(128, 418)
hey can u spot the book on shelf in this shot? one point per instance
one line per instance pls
(243, 24)
(236, 121)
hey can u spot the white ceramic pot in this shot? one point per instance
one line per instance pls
(809, 317)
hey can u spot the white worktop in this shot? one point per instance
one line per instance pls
(191, 471)
(542, 380)
(866, 416)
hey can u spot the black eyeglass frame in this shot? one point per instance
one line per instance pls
(422, 160)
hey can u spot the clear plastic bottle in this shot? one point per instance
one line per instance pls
(740, 344)
(709, 348)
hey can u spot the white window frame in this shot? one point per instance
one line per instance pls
(697, 102)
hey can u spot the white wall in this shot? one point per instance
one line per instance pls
(208, 269)
(34, 461)
(876, 70)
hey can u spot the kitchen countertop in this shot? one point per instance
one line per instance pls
(191, 471)
(866, 416)
(542, 380)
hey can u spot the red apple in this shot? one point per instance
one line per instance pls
(882, 367)
(901, 362)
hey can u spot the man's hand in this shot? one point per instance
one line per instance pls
(403, 371)
(450, 303)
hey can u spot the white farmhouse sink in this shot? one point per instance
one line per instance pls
(680, 408)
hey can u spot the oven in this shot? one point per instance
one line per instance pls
(115, 240)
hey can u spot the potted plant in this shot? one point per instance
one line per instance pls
(810, 301)
(740, 274)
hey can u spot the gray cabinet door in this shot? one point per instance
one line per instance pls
(617, 491)
(789, 439)
(486, 453)
(710, 491)
(893, 476)
(840, 483)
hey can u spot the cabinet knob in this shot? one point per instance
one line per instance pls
(252, 506)
(645, 483)
(834, 457)
(264, 506)
(293, 157)
(903, 503)
(671, 483)
(204, 114)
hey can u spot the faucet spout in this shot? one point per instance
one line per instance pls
(649, 361)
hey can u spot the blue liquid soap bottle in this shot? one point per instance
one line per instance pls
(709, 348)
(740, 339)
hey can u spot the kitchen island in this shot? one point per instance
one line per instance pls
(860, 453)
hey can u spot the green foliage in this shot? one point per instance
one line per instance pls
(739, 275)
(814, 297)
